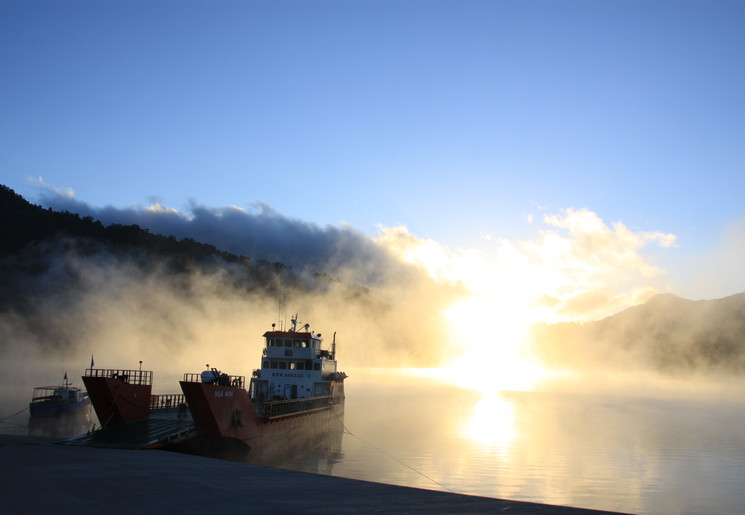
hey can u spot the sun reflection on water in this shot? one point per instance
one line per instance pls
(491, 424)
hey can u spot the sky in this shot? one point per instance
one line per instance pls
(579, 156)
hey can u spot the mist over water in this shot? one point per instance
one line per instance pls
(649, 451)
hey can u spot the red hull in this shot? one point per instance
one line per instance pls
(117, 402)
(227, 412)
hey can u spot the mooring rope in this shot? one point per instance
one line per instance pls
(13, 415)
(346, 429)
(113, 401)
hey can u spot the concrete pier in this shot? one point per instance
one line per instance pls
(38, 476)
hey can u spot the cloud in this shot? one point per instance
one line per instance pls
(600, 302)
(261, 234)
(592, 244)
(591, 268)
(577, 267)
(441, 263)
(53, 190)
(717, 272)
(595, 269)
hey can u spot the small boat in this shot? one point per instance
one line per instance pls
(297, 390)
(50, 401)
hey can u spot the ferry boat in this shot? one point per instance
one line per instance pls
(121, 396)
(50, 401)
(297, 390)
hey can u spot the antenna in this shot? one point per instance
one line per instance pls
(279, 299)
(333, 347)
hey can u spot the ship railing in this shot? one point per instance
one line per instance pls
(276, 408)
(171, 400)
(143, 377)
(46, 393)
(236, 381)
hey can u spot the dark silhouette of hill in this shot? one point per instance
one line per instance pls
(667, 333)
(31, 236)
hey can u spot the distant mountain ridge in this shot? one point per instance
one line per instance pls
(667, 333)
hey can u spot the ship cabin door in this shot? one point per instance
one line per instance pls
(294, 392)
(259, 390)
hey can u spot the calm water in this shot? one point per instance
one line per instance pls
(645, 453)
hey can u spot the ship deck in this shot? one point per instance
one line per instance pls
(140, 434)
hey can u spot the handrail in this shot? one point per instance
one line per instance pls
(170, 400)
(236, 381)
(142, 377)
(287, 407)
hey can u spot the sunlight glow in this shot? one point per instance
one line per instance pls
(492, 425)
(577, 268)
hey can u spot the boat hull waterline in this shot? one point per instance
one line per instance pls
(228, 412)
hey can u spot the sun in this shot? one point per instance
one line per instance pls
(489, 328)
(492, 335)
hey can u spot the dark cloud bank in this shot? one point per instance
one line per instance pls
(264, 235)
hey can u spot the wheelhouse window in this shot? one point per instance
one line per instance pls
(292, 365)
(275, 364)
(300, 365)
(316, 366)
(282, 365)
(288, 343)
(266, 364)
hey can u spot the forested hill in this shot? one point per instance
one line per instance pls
(667, 334)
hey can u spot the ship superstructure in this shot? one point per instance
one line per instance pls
(296, 387)
(295, 366)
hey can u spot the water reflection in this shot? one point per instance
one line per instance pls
(315, 452)
(60, 426)
(640, 451)
(491, 424)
